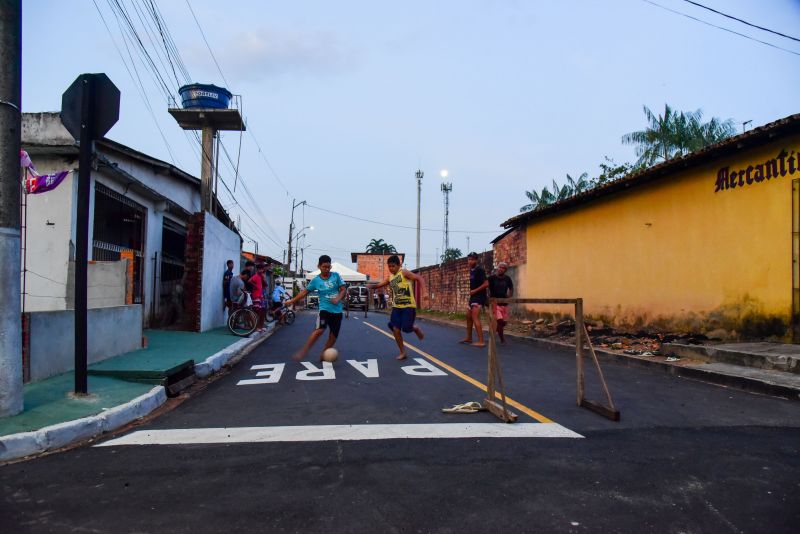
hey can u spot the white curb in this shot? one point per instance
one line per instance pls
(14, 446)
(52, 437)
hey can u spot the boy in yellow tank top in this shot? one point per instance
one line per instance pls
(404, 309)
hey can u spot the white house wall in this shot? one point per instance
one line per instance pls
(220, 244)
(49, 237)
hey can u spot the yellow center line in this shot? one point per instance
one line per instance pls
(511, 402)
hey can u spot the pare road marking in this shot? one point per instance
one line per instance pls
(271, 373)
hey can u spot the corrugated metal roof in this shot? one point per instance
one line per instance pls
(755, 137)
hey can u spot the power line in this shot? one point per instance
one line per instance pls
(400, 225)
(740, 20)
(721, 28)
(139, 86)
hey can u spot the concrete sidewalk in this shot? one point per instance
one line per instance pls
(121, 389)
(764, 368)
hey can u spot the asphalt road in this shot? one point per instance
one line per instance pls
(685, 457)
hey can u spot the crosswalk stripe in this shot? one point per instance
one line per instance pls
(340, 433)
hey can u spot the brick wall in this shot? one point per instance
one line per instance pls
(193, 272)
(512, 249)
(374, 265)
(447, 284)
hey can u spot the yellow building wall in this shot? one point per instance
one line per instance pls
(674, 254)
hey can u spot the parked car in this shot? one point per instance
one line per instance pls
(357, 296)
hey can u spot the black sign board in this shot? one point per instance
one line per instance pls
(102, 97)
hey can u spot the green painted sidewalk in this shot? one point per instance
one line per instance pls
(49, 402)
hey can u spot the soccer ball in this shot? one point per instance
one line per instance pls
(330, 355)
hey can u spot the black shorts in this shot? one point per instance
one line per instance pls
(331, 321)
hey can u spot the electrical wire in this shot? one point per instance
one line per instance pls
(400, 225)
(721, 28)
(740, 20)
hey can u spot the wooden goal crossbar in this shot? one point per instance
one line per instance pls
(495, 379)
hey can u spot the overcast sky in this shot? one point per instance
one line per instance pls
(348, 99)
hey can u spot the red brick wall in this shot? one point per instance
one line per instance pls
(512, 249)
(374, 265)
(447, 284)
(193, 272)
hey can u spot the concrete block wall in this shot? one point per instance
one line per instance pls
(51, 337)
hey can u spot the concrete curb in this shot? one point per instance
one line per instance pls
(779, 362)
(745, 383)
(52, 437)
(15, 446)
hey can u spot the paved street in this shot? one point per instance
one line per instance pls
(686, 456)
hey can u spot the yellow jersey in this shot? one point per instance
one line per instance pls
(403, 291)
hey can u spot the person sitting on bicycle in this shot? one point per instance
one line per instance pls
(278, 295)
(238, 286)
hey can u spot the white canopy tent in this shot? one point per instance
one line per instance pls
(347, 274)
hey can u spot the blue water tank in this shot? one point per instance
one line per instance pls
(200, 95)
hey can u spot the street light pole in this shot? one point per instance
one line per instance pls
(288, 263)
(419, 176)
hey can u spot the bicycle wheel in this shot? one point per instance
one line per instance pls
(288, 316)
(243, 322)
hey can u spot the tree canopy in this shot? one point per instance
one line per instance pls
(675, 133)
(451, 254)
(379, 246)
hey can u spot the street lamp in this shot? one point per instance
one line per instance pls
(291, 229)
(297, 241)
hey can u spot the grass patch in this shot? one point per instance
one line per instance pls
(454, 316)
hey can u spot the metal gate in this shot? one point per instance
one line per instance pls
(119, 226)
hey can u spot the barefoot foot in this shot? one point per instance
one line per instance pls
(478, 344)
(401, 356)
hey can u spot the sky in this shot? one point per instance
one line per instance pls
(345, 101)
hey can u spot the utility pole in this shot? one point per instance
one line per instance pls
(419, 176)
(291, 228)
(11, 401)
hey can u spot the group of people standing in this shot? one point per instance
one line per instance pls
(499, 285)
(252, 280)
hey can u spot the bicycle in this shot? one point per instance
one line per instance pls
(286, 313)
(243, 321)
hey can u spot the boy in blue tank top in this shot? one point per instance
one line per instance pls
(331, 289)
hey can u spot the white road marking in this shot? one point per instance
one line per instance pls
(340, 432)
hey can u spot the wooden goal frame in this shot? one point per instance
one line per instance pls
(495, 387)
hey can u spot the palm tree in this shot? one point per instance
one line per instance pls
(379, 246)
(538, 200)
(675, 134)
(580, 185)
